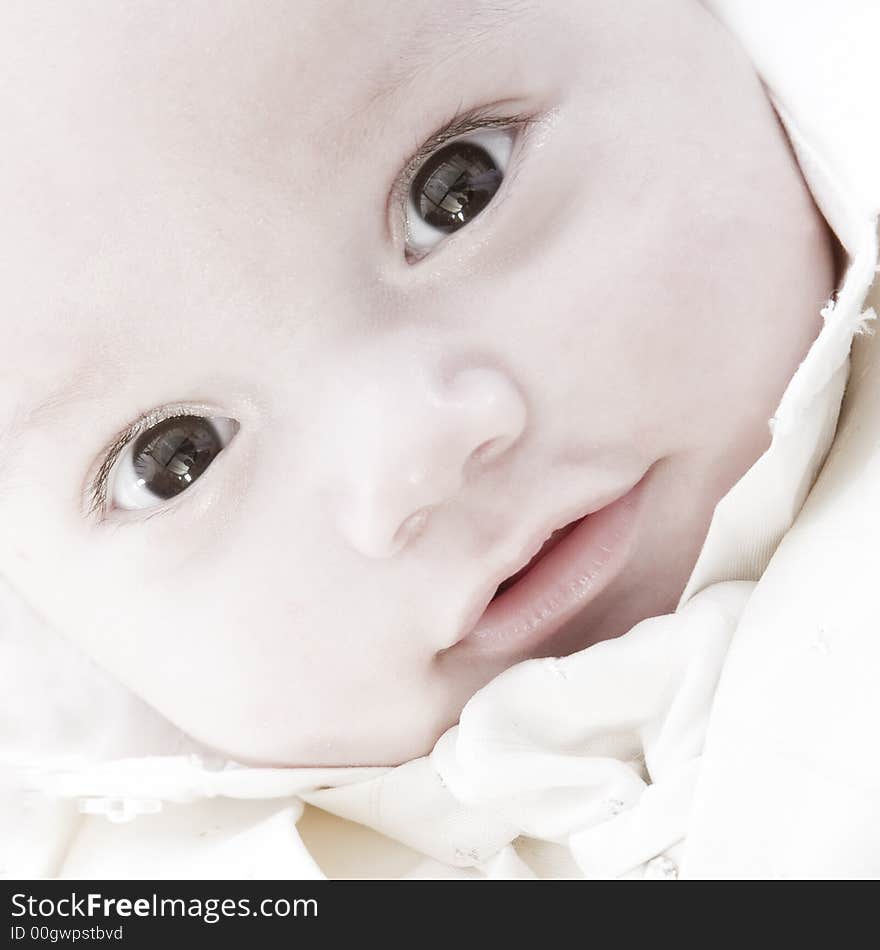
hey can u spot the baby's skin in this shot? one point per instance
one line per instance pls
(272, 430)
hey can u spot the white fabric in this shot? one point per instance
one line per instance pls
(591, 765)
(563, 749)
(789, 787)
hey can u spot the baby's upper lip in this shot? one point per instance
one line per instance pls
(525, 551)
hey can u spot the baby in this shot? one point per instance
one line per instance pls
(354, 353)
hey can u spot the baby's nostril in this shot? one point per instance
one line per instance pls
(411, 528)
(486, 450)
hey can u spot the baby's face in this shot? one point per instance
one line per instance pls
(274, 431)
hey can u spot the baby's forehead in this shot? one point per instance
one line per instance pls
(324, 49)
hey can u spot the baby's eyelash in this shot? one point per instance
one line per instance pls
(99, 483)
(473, 120)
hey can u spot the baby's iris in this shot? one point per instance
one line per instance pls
(169, 457)
(454, 185)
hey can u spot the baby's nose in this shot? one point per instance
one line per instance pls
(411, 444)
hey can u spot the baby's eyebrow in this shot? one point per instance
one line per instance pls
(86, 383)
(441, 38)
(83, 385)
(465, 31)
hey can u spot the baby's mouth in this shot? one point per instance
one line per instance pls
(567, 572)
(546, 548)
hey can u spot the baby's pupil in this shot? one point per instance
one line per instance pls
(454, 185)
(170, 456)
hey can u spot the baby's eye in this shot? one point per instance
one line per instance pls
(167, 458)
(454, 185)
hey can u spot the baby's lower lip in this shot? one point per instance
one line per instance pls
(574, 567)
